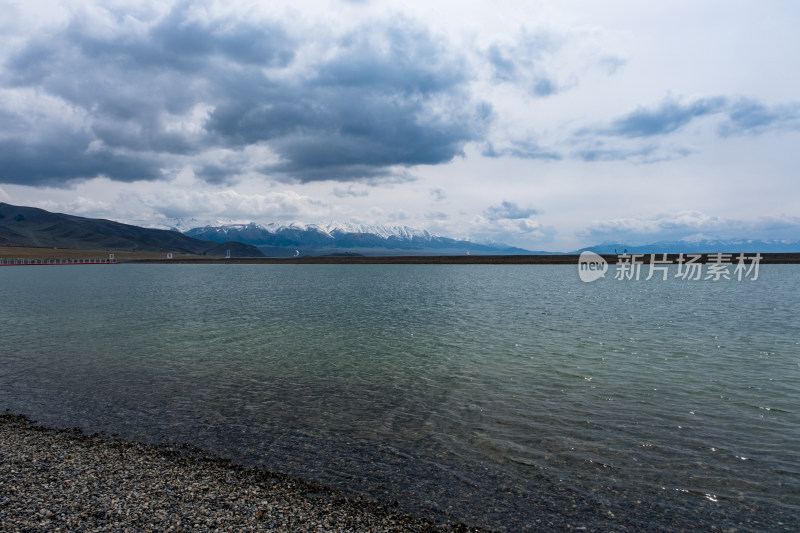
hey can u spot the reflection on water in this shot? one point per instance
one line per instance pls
(506, 396)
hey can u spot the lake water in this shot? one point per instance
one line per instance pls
(510, 397)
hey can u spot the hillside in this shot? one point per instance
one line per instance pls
(32, 227)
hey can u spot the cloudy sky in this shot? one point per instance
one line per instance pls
(546, 124)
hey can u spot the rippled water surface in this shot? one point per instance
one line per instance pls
(511, 397)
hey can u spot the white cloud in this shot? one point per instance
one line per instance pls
(230, 204)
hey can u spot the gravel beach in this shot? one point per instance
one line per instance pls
(57, 480)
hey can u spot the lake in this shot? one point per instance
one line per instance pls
(509, 397)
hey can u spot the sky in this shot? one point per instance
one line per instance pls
(548, 125)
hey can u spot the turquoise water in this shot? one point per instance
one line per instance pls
(511, 397)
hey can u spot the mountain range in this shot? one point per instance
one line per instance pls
(337, 238)
(32, 227)
(29, 226)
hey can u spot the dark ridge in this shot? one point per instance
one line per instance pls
(37, 228)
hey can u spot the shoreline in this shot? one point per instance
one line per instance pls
(58, 478)
(566, 259)
(43, 256)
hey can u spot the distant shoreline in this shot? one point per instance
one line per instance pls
(566, 259)
(150, 257)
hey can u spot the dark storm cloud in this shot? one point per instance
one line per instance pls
(385, 96)
(509, 210)
(63, 156)
(390, 96)
(369, 136)
(124, 86)
(401, 58)
(216, 173)
(265, 45)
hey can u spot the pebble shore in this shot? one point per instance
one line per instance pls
(56, 480)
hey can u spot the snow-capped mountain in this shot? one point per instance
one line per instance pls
(181, 225)
(330, 229)
(336, 237)
(699, 246)
(400, 232)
